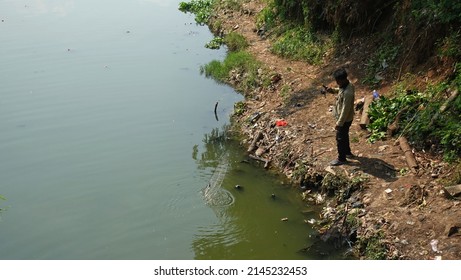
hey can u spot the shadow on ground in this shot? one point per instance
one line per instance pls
(297, 100)
(376, 167)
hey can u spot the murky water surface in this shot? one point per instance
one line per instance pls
(107, 141)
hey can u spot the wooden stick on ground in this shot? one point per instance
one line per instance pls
(266, 161)
(365, 120)
(256, 138)
(411, 161)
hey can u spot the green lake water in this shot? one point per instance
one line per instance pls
(106, 141)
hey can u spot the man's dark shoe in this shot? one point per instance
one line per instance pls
(337, 162)
(352, 156)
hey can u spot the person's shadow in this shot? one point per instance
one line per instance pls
(376, 167)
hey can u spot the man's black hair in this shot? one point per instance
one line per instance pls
(340, 74)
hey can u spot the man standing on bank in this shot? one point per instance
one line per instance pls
(344, 114)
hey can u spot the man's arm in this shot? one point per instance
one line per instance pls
(330, 90)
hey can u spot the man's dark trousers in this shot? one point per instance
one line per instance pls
(342, 140)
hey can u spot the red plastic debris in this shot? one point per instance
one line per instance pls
(281, 123)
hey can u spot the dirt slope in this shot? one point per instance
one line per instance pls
(418, 221)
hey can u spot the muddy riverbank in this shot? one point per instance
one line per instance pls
(383, 212)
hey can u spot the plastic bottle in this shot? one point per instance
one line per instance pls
(375, 94)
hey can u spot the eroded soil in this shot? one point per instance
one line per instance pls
(418, 220)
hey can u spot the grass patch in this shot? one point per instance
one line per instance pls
(235, 41)
(240, 69)
(373, 247)
(301, 44)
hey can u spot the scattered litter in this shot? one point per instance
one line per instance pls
(284, 219)
(387, 190)
(281, 123)
(434, 243)
(438, 258)
(311, 221)
(375, 94)
(255, 117)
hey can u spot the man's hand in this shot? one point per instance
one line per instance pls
(328, 89)
(337, 127)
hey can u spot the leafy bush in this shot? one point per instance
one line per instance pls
(267, 17)
(437, 11)
(421, 118)
(382, 112)
(449, 46)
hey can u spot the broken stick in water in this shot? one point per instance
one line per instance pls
(215, 110)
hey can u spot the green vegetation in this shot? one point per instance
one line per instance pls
(301, 44)
(2, 198)
(449, 46)
(437, 11)
(240, 108)
(240, 69)
(379, 62)
(235, 42)
(401, 30)
(201, 8)
(424, 117)
(373, 247)
(215, 43)
(383, 112)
